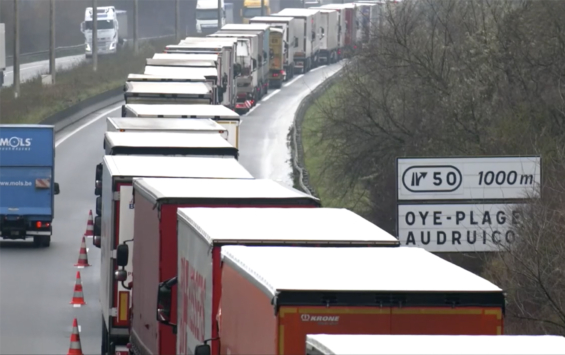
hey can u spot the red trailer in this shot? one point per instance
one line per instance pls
(155, 231)
(203, 232)
(273, 297)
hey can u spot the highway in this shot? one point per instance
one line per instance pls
(37, 284)
(31, 70)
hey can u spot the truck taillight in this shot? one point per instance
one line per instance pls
(122, 130)
(40, 224)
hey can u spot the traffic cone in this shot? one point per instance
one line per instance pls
(75, 348)
(89, 226)
(82, 256)
(78, 296)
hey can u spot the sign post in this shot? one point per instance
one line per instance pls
(463, 204)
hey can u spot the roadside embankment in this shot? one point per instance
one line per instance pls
(36, 101)
(311, 175)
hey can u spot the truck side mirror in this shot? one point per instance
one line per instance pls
(120, 275)
(97, 188)
(164, 294)
(202, 349)
(82, 27)
(56, 189)
(97, 240)
(122, 255)
(98, 206)
(124, 111)
(98, 175)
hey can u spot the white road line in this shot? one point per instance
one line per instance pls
(293, 80)
(84, 126)
(252, 109)
(79, 329)
(271, 95)
(323, 66)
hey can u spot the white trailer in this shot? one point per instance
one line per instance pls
(117, 222)
(226, 54)
(219, 113)
(330, 36)
(341, 28)
(369, 344)
(156, 93)
(207, 16)
(168, 144)
(168, 78)
(211, 74)
(136, 124)
(306, 55)
(288, 25)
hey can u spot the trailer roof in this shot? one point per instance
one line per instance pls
(189, 63)
(236, 33)
(245, 27)
(166, 140)
(127, 166)
(202, 40)
(204, 43)
(165, 124)
(171, 70)
(180, 111)
(171, 189)
(188, 88)
(186, 56)
(324, 10)
(196, 77)
(296, 12)
(343, 344)
(268, 19)
(282, 225)
(347, 269)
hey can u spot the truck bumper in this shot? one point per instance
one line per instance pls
(18, 227)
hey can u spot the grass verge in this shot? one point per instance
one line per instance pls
(322, 178)
(37, 102)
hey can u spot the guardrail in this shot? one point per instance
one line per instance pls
(64, 51)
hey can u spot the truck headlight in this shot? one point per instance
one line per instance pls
(87, 47)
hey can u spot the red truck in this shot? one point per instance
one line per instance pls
(155, 230)
(116, 206)
(204, 232)
(273, 297)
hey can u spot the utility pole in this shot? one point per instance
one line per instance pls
(52, 67)
(94, 36)
(16, 50)
(177, 19)
(135, 37)
(262, 7)
(219, 14)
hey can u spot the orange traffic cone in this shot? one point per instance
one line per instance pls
(75, 348)
(78, 296)
(82, 257)
(89, 226)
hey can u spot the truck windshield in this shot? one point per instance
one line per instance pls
(207, 14)
(249, 12)
(102, 25)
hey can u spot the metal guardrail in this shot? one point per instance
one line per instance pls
(77, 46)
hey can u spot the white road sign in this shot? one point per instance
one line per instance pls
(457, 228)
(467, 178)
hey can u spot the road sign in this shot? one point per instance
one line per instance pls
(457, 228)
(485, 178)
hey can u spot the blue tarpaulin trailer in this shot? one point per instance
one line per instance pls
(27, 187)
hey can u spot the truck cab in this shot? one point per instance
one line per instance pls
(207, 16)
(111, 26)
(27, 182)
(252, 8)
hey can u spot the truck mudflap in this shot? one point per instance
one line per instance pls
(122, 350)
(243, 106)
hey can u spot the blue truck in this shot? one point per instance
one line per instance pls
(27, 187)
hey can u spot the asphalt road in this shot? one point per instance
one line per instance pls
(36, 285)
(31, 70)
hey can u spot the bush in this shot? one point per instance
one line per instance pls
(37, 102)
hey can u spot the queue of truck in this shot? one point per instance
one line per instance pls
(226, 263)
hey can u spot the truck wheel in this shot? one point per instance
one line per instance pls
(47, 241)
(37, 241)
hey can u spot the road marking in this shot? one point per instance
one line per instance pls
(271, 95)
(79, 329)
(87, 250)
(84, 126)
(77, 306)
(253, 108)
(293, 80)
